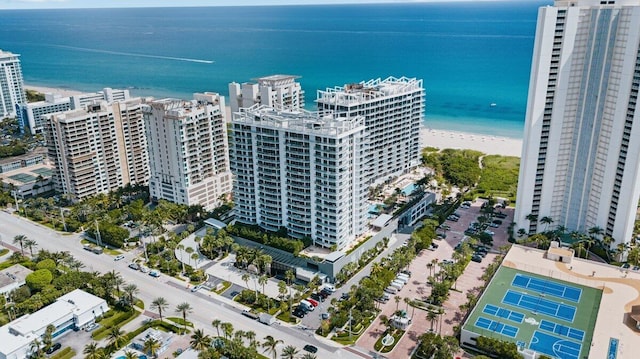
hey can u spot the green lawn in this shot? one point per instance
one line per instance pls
(584, 319)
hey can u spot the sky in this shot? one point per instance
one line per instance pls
(64, 4)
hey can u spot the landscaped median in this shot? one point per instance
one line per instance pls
(388, 340)
(111, 319)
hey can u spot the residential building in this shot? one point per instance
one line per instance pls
(11, 84)
(26, 182)
(32, 115)
(301, 171)
(13, 278)
(393, 110)
(580, 164)
(188, 150)
(98, 149)
(32, 158)
(73, 310)
(271, 91)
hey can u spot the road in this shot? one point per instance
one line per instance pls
(207, 306)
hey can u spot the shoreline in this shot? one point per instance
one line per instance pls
(440, 138)
(490, 145)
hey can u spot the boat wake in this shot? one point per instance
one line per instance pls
(133, 54)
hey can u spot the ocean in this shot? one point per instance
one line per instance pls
(474, 57)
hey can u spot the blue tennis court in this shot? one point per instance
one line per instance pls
(547, 287)
(540, 305)
(503, 313)
(554, 346)
(563, 330)
(497, 327)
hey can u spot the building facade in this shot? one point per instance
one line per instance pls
(271, 91)
(98, 149)
(301, 171)
(582, 136)
(188, 150)
(32, 115)
(11, 84)
(393, 110)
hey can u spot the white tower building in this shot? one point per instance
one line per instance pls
(301, 171)
(97, 149)
(393, 110)
(188, 150)
(580, 157)
(271, 91)
(11, 84)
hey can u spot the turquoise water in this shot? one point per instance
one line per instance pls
(469, 55)
(408, 190)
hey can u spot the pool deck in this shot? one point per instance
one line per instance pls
(621, 291)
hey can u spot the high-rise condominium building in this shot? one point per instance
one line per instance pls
(393, 109)
(272, 91)
(297, 170)
(32, 115)
(580, 159)
(188, 150)
(98, 149)
(11, 84)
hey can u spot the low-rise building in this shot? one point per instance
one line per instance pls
(73, 310)
(12, 278)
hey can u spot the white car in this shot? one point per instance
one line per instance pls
(119, 257)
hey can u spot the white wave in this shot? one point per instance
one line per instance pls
(133, 54)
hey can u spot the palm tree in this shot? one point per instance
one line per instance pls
(546, 220)
(160, 304)
(397, 299)
(251, 336)
(216, 324)
(131, 290)
(227, 329)
(128, 354)
(116, 337)
(407, 301)
(20, 239)
(245, 278)
(289, 352)
(30, 243)
(596, 232)
(263, 280)
(47, 338)
(92, 351)
(308, 356)
(432, 316)
(200, 341)
(270, 344)
(151, 346)
(184, 308)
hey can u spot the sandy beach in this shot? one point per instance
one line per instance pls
(491, 145)
(60, 91)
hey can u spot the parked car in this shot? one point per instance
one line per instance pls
(325, 315)
(313, 302)
(406, 271)
(330, 287)
(154, 274)
(53, 348)
(476, 258)
(310, 348)
(391, 290)
(119, 257)
(249, 314)
(318, 297)
(134, 266)
(307, 305)
(196, 288)
(91, 327)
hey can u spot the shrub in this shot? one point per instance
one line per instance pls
(39, 279)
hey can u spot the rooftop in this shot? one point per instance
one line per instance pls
(24, 175)
(13, 274)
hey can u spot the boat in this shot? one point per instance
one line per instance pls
(493, 104)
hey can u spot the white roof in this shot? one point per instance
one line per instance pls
(382, 220)
(82, 301)
(40, 319)
(10, 343)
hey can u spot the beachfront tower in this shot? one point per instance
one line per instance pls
(271, 91)
(97, 149)
(581, 150)
(188, 150)
(297, 170)
(393, 110)
(11, 84)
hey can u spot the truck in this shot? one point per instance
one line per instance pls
(266, 319)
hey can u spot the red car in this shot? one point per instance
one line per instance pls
(313, 302)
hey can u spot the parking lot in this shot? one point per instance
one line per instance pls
(417, 288)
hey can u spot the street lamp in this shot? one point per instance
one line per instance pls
(15, 198)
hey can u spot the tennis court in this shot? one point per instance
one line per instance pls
(23, 177)
(540, 305)
(503, 313)
(497, 327)
(554, 346)
(547, 287)
(563, 330)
